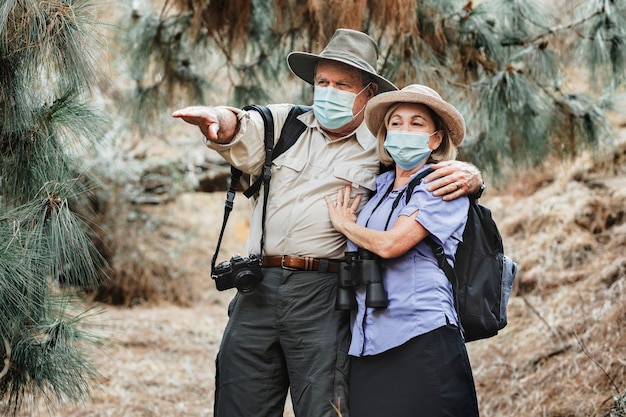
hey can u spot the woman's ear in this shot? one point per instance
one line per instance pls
(435, 140)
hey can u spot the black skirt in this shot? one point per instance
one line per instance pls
(428, 376)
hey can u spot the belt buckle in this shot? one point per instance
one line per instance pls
(283, 266)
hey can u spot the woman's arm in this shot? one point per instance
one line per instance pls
(405, 233)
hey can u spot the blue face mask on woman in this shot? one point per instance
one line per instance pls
(408, 149)
(333, 107)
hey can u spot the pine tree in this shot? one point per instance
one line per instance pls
(503, 62)
(46, 71)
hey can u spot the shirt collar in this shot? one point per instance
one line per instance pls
(362, 133)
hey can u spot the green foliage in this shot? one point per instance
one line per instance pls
(604, 43)
(47, 347)
(159, 63)
(503, 62)
(511, 123)
(50, 357)
(46, 71)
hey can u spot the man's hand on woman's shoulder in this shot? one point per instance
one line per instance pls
(453, 179)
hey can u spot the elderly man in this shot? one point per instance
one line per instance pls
(286, 333)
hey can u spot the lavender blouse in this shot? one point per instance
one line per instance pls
(420, 295)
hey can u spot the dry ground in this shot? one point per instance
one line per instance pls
(562, 354)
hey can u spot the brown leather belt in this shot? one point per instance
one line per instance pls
(302, 263)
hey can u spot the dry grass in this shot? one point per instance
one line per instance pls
(563, 351)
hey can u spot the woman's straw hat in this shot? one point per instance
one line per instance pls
(416, 93)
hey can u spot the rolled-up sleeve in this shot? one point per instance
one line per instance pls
(440, 218)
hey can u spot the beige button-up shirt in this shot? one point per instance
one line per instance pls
(297, 221)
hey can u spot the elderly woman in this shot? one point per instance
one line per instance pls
(408, 358)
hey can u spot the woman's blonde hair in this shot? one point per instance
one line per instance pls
(445, 152)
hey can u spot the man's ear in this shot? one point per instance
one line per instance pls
(373, 89)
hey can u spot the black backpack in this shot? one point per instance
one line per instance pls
(482, 277)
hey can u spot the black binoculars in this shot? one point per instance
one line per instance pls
(360, 268)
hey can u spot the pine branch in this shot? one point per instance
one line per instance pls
(7, 358)
(541, 37)
(46, 66)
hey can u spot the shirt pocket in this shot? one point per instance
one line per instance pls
(287, 161)
(357, 177)
(287, 175)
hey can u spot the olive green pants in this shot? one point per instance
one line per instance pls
(285, 334)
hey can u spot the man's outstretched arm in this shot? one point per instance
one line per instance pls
(217, 124)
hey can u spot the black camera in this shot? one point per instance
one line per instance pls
(360, 268)
(241, 273)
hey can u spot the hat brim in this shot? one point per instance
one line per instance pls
(377, 108)
(303, 64)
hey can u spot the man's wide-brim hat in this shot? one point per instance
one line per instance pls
(347, 46)
(378, 106)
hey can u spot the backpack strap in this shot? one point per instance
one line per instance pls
(447, 269)
(408, 192)
(437, 248)
(438, 251)
(291, 131)
(289, 134)
(442, 261)
(415, 181)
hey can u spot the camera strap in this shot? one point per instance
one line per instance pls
(235, 176)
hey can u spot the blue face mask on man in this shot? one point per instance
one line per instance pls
(333, 107)
(408, 149)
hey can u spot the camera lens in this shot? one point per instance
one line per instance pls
(245, 280)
